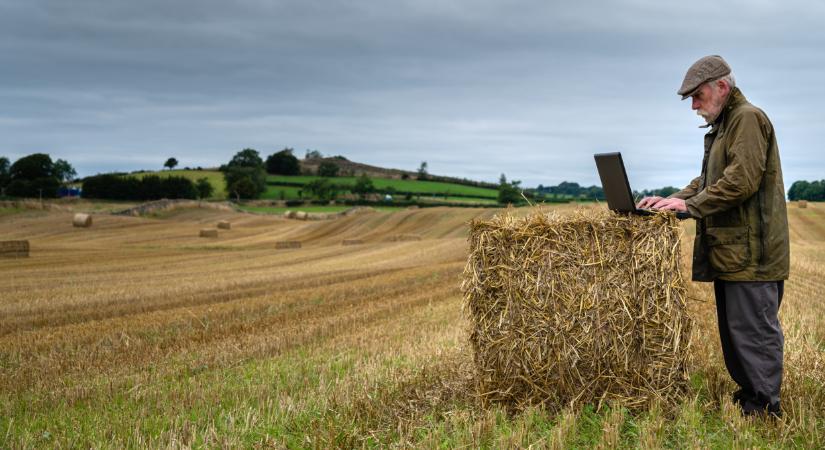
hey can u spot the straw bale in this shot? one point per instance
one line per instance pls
(288, 244)
(81, 220)
(583, 308)
(289, 214)
(803, 204)
(352, 242)
(209, 233)
(224, 225)
(405, 238)
(14, 249)
(300, 215)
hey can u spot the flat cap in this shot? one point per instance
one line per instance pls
(706, 69)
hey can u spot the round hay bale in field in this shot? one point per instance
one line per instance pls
(352, 242)
(587, 307)
(209, 233)
(14, 249)
(300, 215)
(81, 220)
(317, 216)
(287, 244)
(802, 204)
(224, 225)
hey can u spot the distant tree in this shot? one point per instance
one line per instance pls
(245, 175)
(5, 177)
(204, 188)
(313, 154)
(508, 192)
(422, 171)
(321, 189)
(327, 169)
(33, 176)
(363, 186)
(243, 187)
(247, 157)
(805, 190)
(170, 163)
(283, 163)
(64, 171)
(405, 176)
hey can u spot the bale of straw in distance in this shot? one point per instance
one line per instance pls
(14, 249)
(224, 225)
(583, 308)
(405, 238)
(209, 233)
(352, 242)
(803, 204)
(300, 215)
(81, 220)
(288, 244)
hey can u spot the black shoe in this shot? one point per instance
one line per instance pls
(741, 396)
(751, 409)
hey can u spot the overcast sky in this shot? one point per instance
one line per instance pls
(475, 88)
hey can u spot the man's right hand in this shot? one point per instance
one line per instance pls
(647, 202)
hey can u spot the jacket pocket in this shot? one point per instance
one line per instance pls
(728, 248)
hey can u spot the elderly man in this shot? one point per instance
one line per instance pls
(741, 242)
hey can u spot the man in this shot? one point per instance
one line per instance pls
(741, 241)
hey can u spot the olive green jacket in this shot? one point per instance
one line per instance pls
(739, 199)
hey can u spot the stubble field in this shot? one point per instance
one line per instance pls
(138, 333)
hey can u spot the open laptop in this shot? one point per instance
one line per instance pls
(617, 188)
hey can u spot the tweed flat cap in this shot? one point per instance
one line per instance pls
(706, 69)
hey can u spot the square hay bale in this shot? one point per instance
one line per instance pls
(287, 244)
(352, 242)
(209, 233)
(803, 204)
(14, 249)
(81, 220)
(405, 238)
(224, 225)
(582, 308)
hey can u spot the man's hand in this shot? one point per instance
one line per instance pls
(668, 204)
(647, 202)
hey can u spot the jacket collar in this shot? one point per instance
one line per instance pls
(735, 98)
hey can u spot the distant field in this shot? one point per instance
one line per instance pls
(414, 186)
(215, 178)
(282, 193)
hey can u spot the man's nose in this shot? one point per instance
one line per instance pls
(695, 104)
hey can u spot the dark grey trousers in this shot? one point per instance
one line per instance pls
(752, 338)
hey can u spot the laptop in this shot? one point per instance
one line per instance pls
(617, 188)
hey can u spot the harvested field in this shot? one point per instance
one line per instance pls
(288, 244)
(352, 242)
(405, 238)
(141, 334)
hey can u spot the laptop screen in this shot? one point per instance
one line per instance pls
(614, 182)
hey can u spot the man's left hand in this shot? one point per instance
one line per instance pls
(670, 204)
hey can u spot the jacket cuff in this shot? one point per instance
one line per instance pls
(692, 206)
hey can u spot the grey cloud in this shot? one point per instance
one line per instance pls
(528, 88)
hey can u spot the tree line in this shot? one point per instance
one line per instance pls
(807, 190)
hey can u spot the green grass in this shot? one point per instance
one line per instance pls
(283, 193)
(215, 178)
(414, 186)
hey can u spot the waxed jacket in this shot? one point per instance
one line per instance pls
(739, 199)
